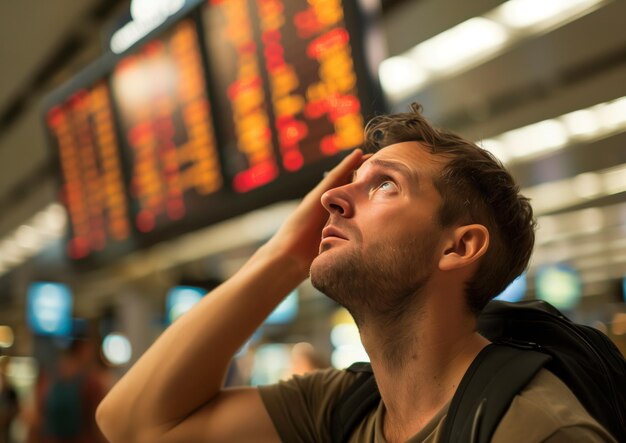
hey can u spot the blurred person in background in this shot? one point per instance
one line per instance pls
(415, 240)
(67, 397)
(305, 358)
(9, 405)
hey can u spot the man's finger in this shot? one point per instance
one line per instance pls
(343, 169)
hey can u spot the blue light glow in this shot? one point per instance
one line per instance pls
(49, 309)
(181, 299)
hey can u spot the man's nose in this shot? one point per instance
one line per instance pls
(337, 201)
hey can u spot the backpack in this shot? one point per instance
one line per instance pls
(525, 336)
(63, 408)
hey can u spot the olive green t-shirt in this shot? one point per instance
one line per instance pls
(545, 411)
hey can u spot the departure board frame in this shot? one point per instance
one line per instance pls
(84, 211)
(228, 196)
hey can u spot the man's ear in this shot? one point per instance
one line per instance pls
(465, 246)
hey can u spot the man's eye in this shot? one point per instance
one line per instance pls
(386, 185)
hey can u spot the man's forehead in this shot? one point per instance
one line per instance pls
(410, 156)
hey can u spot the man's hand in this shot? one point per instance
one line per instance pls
(300, 235)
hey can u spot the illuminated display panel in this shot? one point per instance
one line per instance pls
(284, 73)
(283, 96)
(49, 308)
(92, 183)
(165, 116)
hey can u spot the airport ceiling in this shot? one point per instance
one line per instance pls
(576, 66)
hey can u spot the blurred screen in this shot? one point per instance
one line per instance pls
(285, 78)
(286, 311)
(229, 107)
(82, 129)
(271, 364)
(515, 291)
(181, 299)
(49, 309)
(559, 285)
(165, 116)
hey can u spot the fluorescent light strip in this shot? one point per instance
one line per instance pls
(539, 138)
(561, 194)
(571, 236)
(475, 41)
(32, 237)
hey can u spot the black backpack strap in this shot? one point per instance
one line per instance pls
(355, 403)
(497, 374)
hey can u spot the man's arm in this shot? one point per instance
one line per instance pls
(174, 391)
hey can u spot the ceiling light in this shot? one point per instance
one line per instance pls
(481, 38)
(496, 147)
(591, 220)
(142, 10)
(529, 13)
(534, 139)
(52, 220)
(27, 237)
(147, 15)
(399, 75)
(615, 180)
(11, 252)
(613, 114)
(588, 185)
(588, 124)
(461, 45)
(559, 194)
(581, 123)
(548, 225)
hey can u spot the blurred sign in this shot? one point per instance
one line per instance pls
(286, 311)
(515, 291)
(271, 363)
(181, 299)
(559, 285)
(49, 309)
(117, 349)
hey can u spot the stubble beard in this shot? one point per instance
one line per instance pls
(384, 293)
(381, 288)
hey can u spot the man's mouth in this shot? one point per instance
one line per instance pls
(332, 232)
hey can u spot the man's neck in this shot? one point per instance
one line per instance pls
(420, 375)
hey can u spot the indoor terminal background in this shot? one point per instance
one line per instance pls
(541, 83)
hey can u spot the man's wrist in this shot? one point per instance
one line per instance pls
(290, 266)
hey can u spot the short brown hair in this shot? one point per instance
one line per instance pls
(475, 188)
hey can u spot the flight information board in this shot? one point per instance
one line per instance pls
(223, 109)
(285, 75)
(82, 128)
(165, 119)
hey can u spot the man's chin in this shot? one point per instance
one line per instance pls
(329, 269)
(321, 268)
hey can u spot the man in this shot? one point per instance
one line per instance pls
(9, 404)
(415, 239)
(67, 397)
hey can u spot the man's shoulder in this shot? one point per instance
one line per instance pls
(301, 407)
(325, 381)
(546, 408)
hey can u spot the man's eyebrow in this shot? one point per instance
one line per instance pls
(398, 167)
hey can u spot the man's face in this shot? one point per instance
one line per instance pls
(379, 246)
